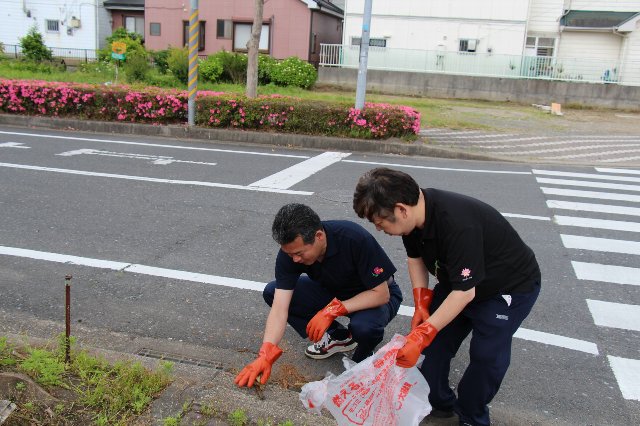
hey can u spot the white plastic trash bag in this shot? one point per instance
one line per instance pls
(373, 392)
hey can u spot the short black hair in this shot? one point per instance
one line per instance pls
(380, 189)
(293, 220)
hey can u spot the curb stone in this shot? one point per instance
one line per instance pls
(288, 140)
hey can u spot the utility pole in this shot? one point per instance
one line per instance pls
(361, 85)
(194, 42)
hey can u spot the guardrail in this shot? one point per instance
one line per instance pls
(59, 53)
(483, 64)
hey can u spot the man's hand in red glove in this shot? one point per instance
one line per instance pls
(323, 319)
(422, 299)
(419, 338)
(268, 354)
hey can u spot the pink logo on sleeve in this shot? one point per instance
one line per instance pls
(377, 271)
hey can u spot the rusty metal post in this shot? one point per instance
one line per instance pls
(67, 341)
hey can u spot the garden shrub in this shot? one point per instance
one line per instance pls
(234, 66)
(136, 67)
(132, 40)
(159, 58)
(33, 47)
(154, 78)
(294, 72)
(210, 69)
(265, 64)
(178, 62)
(153, 105)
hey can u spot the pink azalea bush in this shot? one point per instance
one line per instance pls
(214, 109)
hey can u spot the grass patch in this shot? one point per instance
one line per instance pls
(87, 391)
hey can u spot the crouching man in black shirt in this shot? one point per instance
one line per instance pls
(488, 280)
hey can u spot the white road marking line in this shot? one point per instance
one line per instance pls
(536, 336)
(589, 184)
(591, 194)
(156, 180)
(14, 145)
(585, 175)
(589, 207)
(621, 171)
(448, 169)
(557, 340)
(155, 159)
(290, 176)
(606, 273)
(193, 148)
(525, 216)
(627, 372)
(598, 154)
(615, 315)
(600, 244)
(619, 160)
(600, 145)
(582, 222)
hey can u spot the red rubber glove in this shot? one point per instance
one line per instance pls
(268, 354)
(422, 298)
(323, 319)
(419, 338)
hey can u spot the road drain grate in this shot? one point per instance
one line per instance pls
(150, 353)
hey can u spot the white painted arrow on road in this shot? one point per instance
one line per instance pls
(155, 159)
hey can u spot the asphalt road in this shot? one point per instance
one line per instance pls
(170, 239)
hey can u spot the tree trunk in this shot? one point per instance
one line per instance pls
(252, 47)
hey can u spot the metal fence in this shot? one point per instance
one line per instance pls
(59, 53)
(483, 64)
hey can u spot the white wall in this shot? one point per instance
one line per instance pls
(610, 5)
(544, 17)
(437, 25)
(630, 71)
(14, 22)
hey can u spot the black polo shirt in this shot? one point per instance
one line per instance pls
(466, 243)
(353, 262)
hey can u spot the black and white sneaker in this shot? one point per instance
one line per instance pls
(328, 346)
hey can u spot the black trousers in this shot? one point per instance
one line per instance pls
(366, 326)
(492, 324)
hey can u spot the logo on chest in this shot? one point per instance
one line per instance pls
(466, 274)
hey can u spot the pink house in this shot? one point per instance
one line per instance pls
(289, 27)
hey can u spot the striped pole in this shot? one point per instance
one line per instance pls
(194, 37)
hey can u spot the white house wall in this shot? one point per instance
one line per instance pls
(544, 16)
(630, 72)
(14, 22)
(609, 5)
(498, 25)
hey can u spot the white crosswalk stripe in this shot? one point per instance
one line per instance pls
(594, 149)
(610, 314)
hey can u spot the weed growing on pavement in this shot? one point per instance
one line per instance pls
(87, 390)
(238, 418)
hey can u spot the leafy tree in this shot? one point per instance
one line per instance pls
(33, 46)
(132, 40)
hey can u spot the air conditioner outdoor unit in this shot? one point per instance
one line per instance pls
(74, 23)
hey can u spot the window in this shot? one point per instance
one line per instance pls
(540, 46)
(185, 34)
(242, 33)
(468, 45)
(378, 42)
(154, 29)
(52, 26)
(134, 24)
(224, 28)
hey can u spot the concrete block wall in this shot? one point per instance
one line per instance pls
(606, 95)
